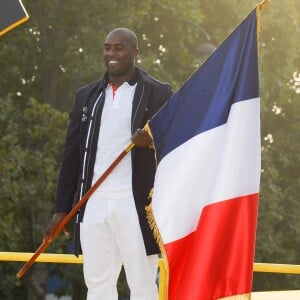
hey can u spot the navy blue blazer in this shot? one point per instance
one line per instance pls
(76, 171)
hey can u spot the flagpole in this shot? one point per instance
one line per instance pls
(259, 7)
(263, 4)
(74, 210)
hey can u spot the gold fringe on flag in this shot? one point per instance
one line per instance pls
(152, 146)
(163, 291)
(151, 221)
(153, 226)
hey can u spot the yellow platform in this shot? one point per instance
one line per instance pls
(276, 295)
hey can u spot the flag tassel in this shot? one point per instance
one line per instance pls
(158, 239)
(153, 226)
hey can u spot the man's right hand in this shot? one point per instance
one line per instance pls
(55, 220)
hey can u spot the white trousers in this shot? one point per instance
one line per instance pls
(111, 234)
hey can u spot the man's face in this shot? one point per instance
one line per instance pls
(119, 54)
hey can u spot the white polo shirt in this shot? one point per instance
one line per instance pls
(114, 137)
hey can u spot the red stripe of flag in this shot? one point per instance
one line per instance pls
(225, 231)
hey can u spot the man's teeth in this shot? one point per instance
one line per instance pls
(113, 62)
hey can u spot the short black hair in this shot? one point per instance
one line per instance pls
(131, 36)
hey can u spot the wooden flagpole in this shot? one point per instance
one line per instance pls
(74, 210)
(263, 4)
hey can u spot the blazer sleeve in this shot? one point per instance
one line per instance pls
(70, 164)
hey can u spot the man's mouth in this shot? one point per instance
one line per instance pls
(112, 62)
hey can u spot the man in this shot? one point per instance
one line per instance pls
(105, 117)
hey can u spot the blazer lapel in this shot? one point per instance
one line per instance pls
(139, 107)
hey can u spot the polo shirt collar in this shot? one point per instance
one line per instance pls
(132, 81)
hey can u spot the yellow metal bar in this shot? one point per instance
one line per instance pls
(44, 257)
(276, 268)
(72, 259)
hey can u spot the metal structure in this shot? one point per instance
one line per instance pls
(257, 267)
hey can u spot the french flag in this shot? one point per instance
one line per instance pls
(206, 190)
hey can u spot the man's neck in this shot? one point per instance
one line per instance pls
(119, 80)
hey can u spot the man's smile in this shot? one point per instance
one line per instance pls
(113, 62)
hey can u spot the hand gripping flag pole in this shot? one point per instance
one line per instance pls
(68, 217)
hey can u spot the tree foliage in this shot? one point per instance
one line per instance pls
(60, 49)
(278, 238)
(31, 136)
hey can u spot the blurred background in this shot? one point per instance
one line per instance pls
(42, 63)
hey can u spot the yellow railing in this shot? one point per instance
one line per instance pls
(71, 259)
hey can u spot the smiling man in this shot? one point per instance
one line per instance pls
(112, 228)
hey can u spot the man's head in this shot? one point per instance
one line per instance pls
(120, 53)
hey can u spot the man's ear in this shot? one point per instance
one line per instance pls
(136, 52)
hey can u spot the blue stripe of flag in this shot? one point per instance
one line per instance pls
(229, 75)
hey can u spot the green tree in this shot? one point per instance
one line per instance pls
(278, 238)
(31, 136)
(60, 47)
